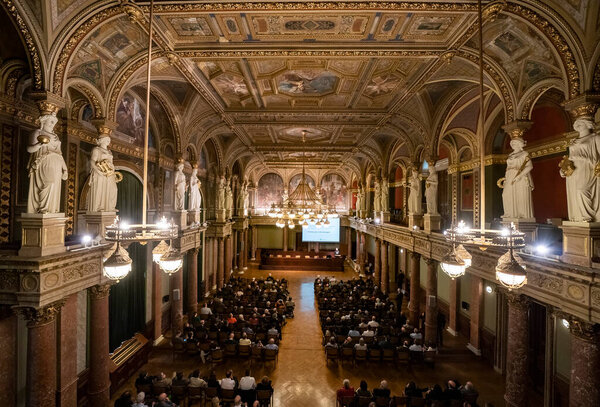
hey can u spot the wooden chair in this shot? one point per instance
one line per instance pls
(264, 397)
(209, 394)
(347, 401)
(244, 351)
(471, 398)
(347, 354)
(369, 339)
(227, 395)
(180, 393)
(455, 403)
(331, 354)
(257, 354)
(438, 403)
(230, 350)
(146, 388)
(375, 355)
(223, 336)
(429, 358)
(363, 401)
(416, 402)
(195, 394)
(416, 357)
(178, 348)
(191, 348)
(360, 355)
(271, 355)
(158, 390)
(382, 401)
(388, 355)
(216, 356)
(402, 357)
(399, 401)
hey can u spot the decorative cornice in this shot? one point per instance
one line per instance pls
(586, 331)
(40, 316)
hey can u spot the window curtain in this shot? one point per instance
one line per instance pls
(127, 301)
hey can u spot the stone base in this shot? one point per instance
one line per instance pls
(581, 242)
(362, 214)
(474, 349)
(452, 331)
(527, 226)
(432, 222)
(194, 217)
(220, 215)
(158, 340)
(415, 220)
(96, 223)
(42, 234)
(385, 217)
(180, 218)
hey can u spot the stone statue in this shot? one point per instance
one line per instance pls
(246, 198)
(377, 197)
(518, 184)
(46, 168)
(228, 198)
(241, 199)
(180, 187)
(582, 170)
(220, 201)
(431, 187)
(360, 196)
(285, 196)
(103, 178)
(195, 201)
(414, 196)
(385, 195)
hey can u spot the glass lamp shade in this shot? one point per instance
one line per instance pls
(159, 250)
(171, 261)
(291, 225)
(510, 272)
(464, 255)
(453, 265)
(118, 265)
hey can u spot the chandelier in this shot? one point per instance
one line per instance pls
(303, 206)
(118, 264)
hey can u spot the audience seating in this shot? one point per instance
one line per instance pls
(264, 397)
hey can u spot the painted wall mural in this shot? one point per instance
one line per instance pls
(270, 190)
(334, 192)
(307, 82)
(295, 180)
(130, 118)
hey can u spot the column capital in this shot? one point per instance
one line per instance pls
(517, 128)
(584, 105)
(100, 291)
(415, 255)
(40, 316)
(48, 102)
(194, 251)
(584, 330)
(104, 126)
(430, 261)
(517, 300)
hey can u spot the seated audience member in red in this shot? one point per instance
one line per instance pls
(345, 391)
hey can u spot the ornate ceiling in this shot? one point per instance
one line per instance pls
(369, 82)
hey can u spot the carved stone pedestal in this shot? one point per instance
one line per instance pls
(527, 226)
(415, 220)
(581, 242)
(96, 222)
(432, 222)
(43, 234)
(384, 216)
(194, 217)
(220, 215)
(180, 218)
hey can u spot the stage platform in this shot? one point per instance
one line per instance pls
(293, 260)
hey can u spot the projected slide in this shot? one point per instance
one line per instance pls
(329, 234)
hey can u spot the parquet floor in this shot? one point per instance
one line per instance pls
(302, 378)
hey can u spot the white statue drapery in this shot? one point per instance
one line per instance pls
(195, 201)
(47, 168)
(377, 197)
(103, 178)
(228, 197)
(220, 198)
(518, 184)
(581, 171)
(180, 188)
(431, 188)
(385, 195)
(414, 197)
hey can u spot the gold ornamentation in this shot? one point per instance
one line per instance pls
(584, 110)
(47, 107)
(134, 13)
(575, 292)
(5, 181)
(107, 170)
(566, 166)
(587, 331)
(447, 57)
(99, 292)
(40, 316)
(491, 11)
(500, 182)
(71, 187)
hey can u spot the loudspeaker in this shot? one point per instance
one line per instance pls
(176, 294)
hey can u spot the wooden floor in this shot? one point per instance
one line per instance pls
(302, 378)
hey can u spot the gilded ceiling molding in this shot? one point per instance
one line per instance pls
(531, 96)
(557, 40)
(596, 79)
(11, 72)
(93, 95)
(67, 51)
(212, 54)
(34, 54)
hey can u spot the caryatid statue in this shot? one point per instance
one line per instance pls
(241, 199)
(582, 172)
(360, 196)
(103, 178)
(385, 195)
(180, 187)
(47, 168)
(431, 187)
(195, 201)
(517, 183)
(377, 197)
(414, 196)
(228, 197)
(220, 198)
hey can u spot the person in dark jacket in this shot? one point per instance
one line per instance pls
(382, 390)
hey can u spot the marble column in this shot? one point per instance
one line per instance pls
(228, 257)
(585, 363)
(8, 354)
(415, 287)
(454, 296)
(192, 283)
(207, 258)
(99, 376)
(215, 265)
(357, 243)
(235, 254)
(285, 238)
(517, 351)
(385, 271)
(220, 262)
(431, 310)
(41, 355)
(243, 250)
(254, 242)
(157, 300)
(476, 314)
(67, 364)
(377, 268)
(176, 281)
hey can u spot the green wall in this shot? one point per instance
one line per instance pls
(562, 355)
(465, 292)
(443, 290)
(270, 237)
(489, 306)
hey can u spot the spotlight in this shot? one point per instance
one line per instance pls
(489, 289)
(377, 221)
(504, 232)
(86, 240)
(542, 249)
(565, 323)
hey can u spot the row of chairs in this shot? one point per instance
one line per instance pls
(188, 396)
(399, 356)
(397, 401)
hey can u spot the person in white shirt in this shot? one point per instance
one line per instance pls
(415, 347)
(247, 382)
(237, 402)
(227, 382)
(205, 310)
(369, 332)
(139, 401)
(361, 345)
(244, 340)
(272, 331)
(272, 345)
(416, 334)
(373, 323)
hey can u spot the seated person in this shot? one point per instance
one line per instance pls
(416, 347)
(195, 380)
(331, 343)
(272, 345)
(361, 345)
(179, 380)
(348, 343)
(162, 380)
(345, 391)
(244, 339)
(353, 333)
(382, 390)
(368, 332)
(228, 383)
(205, 310)
(265, 384)
(363, 390)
